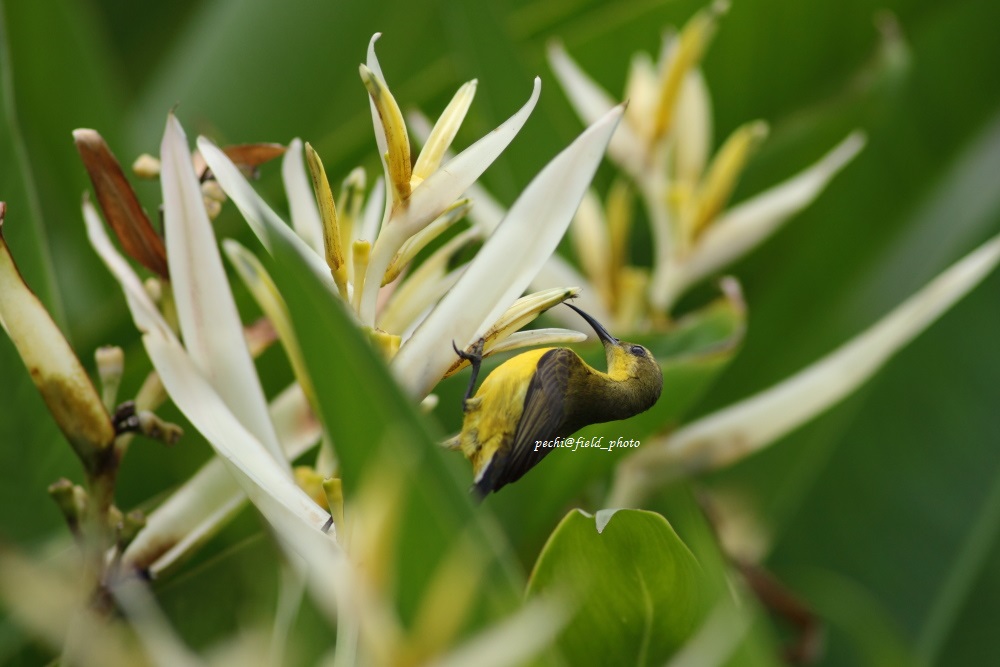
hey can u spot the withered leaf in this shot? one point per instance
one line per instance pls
(119, 203)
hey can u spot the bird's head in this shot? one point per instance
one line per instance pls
(628, 361)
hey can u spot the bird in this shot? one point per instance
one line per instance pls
(546, 394)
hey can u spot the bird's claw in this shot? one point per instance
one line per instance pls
(475, 358)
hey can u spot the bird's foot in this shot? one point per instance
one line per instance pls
(475, 358)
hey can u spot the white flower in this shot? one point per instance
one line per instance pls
(664, 147)
(426, 310)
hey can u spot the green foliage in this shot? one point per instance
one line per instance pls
(637, 592)
(881, 514)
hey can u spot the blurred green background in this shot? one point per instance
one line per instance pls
(883, 514)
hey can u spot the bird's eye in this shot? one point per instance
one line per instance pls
(638, 350)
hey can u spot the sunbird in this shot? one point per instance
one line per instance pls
(546, 394)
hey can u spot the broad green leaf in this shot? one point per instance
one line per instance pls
(637, 590)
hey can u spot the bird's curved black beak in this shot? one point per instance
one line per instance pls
(599, 329)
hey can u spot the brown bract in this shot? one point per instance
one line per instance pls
(245, 156)
(119, 203)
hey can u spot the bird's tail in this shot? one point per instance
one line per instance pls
(485, 482)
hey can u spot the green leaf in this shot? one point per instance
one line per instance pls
(638, 590)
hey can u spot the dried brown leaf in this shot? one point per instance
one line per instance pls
(119, 203)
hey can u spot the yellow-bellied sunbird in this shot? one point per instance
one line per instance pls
(546, 394)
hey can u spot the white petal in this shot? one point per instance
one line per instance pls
(752, 424)
(693, 128)
(371, 62)
(591, 102)
(145, 314)
(449, 182)
(199, 508)
(301, 201)
(282, 502)
(493, 282)
(589, 235)
(487, 214)
(188, 517)
(262, 220)
(414, 298)
(536, 337)
(371, 218)
(295, 519)
(437, 193)
(209, 321)
(424, 286)
(286, 507)
(747, 224)
(293, 419)
(642, 91)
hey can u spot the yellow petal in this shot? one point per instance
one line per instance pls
(267, 296)
(685, 55)
(312, 483)
(419, 241)
(723, 174)
(362, 252)
(328, 213)
(334, 490)
(444, 132)
(589, 234)
(620, 214)
(397, 142)
(352, 198)
(424, 286)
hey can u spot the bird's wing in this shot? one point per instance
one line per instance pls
(541, 419)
